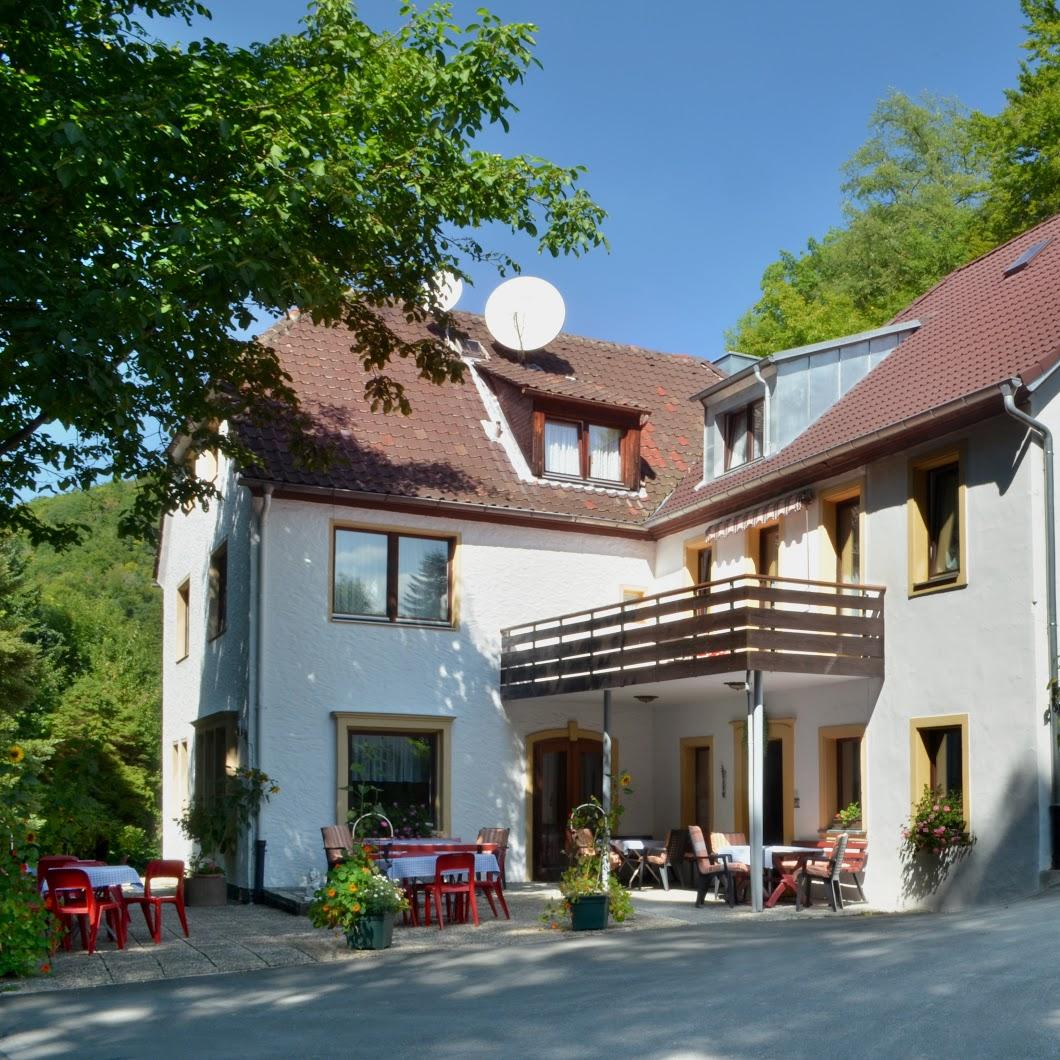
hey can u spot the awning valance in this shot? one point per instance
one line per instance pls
(761, 516)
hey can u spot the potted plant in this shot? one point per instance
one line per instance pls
(589, 891)
(936, 825)
(215, 824)
(848, 818)
(206, 883)
(358, 900)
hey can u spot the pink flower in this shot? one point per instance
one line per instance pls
(936, 807)
(946, 808)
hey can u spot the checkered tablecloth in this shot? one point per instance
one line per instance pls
(106, 875)
(415, 868)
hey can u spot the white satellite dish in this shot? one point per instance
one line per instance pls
(444, 292)
(525, 313)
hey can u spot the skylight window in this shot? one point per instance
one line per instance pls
(1027, 256)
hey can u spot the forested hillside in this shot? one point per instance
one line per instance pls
(87, 711)
(932, 187)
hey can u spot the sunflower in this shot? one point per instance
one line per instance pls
(15, 754)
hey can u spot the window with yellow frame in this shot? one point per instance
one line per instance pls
(937, 522)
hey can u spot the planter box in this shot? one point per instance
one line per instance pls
(371, 933)
(206, 890)
(589, 913)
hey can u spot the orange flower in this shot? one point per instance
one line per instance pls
(15, 754)
(45, 967)
(331, 892)
(356, 907)
(353, 888)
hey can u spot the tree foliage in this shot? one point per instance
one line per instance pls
(154, 194)
(911, 196)
(1022, 143)
(89, 620)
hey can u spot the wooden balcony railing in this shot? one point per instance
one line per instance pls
(751, 622)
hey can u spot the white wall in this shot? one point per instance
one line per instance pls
(213, 676)
(313, 666)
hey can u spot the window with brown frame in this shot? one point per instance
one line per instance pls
(217, 590)
(743, 434)
(386, 576)
(590, 448)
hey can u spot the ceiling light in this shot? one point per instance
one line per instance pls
(737, 686)
(645, 699)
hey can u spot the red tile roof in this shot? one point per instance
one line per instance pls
(979, 328)
(442, 451)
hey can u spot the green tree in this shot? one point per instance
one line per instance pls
(1022, 143)
(911, 197)
(94, 616)
(153, 194)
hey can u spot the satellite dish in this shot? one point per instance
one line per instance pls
(525, 313)
(444, 292)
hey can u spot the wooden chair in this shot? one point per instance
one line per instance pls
(739, 870)
(826, 872)
(711, 868)
(151, 903)
(499, 836)
(72, 895)
(854, 862)
(669, 860)
(337, 843)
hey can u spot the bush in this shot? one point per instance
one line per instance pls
(28, 931)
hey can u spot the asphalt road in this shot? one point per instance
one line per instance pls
(969, 985)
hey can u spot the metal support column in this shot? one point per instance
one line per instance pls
(755, 781)
(605, 867)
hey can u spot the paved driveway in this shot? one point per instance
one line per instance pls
(979, 984)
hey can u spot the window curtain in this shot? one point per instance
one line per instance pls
(945, 543)
(378, 758)
(561, 449)
(605, 453)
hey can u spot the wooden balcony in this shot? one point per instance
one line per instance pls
(746, 623)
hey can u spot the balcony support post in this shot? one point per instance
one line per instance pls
(606, 742)
(755, 781)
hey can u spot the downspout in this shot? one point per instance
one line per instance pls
(1045, 436)
(765, 409)
(257, 620)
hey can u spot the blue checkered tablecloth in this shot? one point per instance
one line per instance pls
(107, 875)
(415, 868)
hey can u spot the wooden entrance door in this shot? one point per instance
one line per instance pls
(566, 773)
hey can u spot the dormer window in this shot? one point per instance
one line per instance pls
(743, 434)
(582, 447)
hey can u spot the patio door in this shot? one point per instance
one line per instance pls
(566, 773)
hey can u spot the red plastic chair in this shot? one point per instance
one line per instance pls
(50, 861)
(78, 899)
(148, 902)
(462, 891)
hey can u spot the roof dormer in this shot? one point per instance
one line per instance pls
(766, 403)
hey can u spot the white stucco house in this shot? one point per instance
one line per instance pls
(860, 525)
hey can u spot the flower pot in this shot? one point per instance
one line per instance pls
(589, 913)
(206, 890)
(371, 932)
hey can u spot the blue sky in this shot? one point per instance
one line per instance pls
(713, 132)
